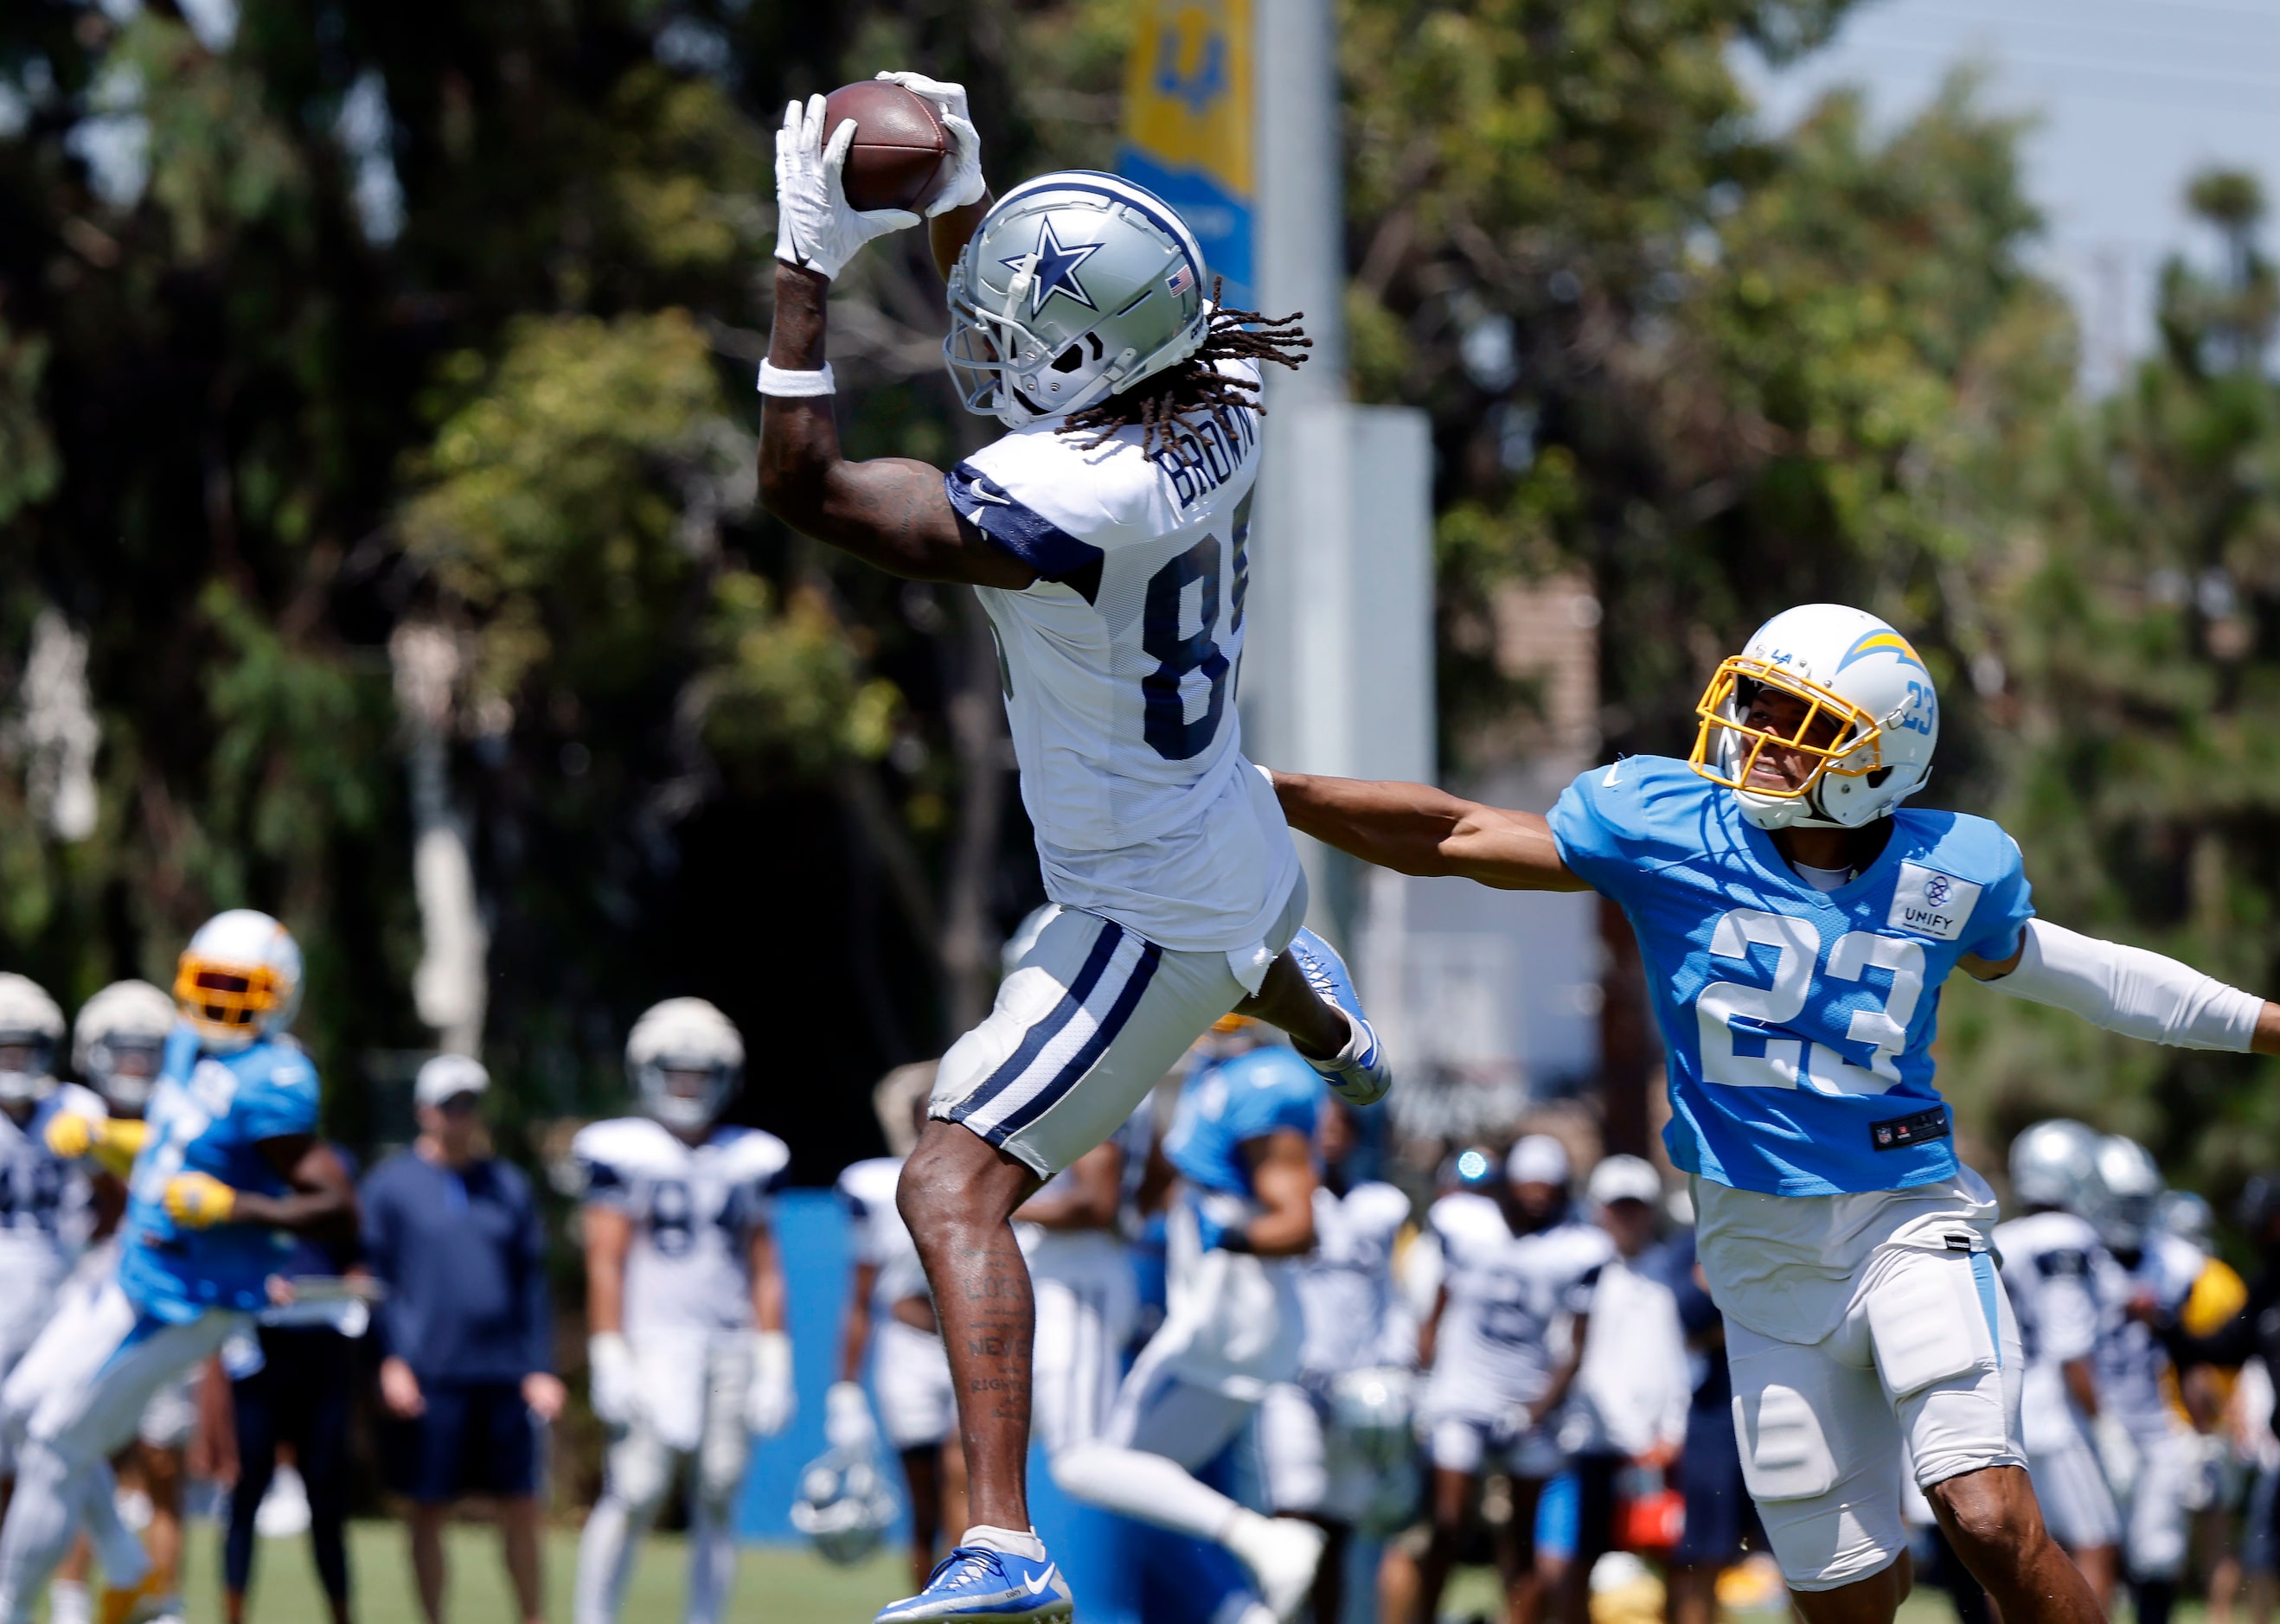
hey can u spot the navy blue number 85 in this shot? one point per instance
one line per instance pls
(1167, 728)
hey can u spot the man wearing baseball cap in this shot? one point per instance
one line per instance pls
(467, 1378)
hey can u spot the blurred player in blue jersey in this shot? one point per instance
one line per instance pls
(1242, 1140)
(1797, 922)
(227, 1156)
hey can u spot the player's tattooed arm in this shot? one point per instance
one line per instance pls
(891, 511)
(319, 1197)
(1417, 829)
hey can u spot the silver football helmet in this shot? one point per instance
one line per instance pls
(845, 1504)
(2053, 1164)
(1075, 286)
(686, 1061)
(31, 1027)
(2127, 1190)
(119, 1041)
(2187, 1216)
(1375, 1411)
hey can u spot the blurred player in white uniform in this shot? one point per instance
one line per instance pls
(1108, 537)
(1504, 1343)
(119, 1044)
(685, 1304)
(1360, 1341)
(2051, 1262)
(1242, 1140)
(2150, 1450)
(891, 1320)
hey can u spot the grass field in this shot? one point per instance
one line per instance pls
(773, 1584)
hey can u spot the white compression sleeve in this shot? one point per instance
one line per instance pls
(2131, 991)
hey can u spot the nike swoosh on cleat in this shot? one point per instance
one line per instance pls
(1036, 1586)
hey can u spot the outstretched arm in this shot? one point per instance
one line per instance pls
(2130, 990)
(1417, 829)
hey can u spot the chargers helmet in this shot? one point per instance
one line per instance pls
(845, 1504)
(239, 979)
(2127, 1187)
(118, 1041)
(2054, 1164)
(1850, 669)
(686, 1061)
(31, 1026)
(1076, 285)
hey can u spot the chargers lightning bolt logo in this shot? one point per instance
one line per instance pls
(1056, 268)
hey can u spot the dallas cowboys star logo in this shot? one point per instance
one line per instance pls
(1056, 268)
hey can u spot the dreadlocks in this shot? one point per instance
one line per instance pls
(1196, 384)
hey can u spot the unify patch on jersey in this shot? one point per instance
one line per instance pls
(1931, 904)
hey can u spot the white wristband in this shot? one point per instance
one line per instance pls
(783, 381)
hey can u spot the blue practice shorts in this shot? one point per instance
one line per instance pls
(1720, 1519)
(473, 1438)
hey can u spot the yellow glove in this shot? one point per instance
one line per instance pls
(199, 1200)
(70, 1136)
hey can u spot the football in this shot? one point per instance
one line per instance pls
(901, 154)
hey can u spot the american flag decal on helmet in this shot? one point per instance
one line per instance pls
(1180, 279)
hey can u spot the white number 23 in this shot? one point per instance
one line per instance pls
(1796, 950)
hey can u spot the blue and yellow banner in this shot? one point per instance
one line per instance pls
(1188, 124)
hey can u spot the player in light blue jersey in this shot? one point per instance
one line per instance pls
(1797, 921)
(1242, 1142)
(226, 1159)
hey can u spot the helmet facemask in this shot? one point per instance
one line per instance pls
(228, 1003)
(1835, 737)
(685, 1095)
(27, 1067)
(124, 1070)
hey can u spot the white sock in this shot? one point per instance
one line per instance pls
(1013, 1542)
(69, 1602)
(1147, 1488)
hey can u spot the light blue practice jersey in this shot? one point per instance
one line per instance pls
(1797, 1024)
(1231, 1101)
(207, 1115)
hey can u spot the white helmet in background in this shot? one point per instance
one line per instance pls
(2127, 1194)
(686, 1061)
(239, 980)
(118, 1041)
(2054, 1164)
(31, 1030)
(1870, 721)
(845, 1504)
(2188, 1217)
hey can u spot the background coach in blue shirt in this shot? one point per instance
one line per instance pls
(467, 1374)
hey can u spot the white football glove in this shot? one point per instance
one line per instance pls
(966, 182)
(769, 1401)
(815, 227)
(847, 1422)
(612, 1379)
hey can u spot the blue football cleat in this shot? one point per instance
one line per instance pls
(1362, 1075)
(974, 1582)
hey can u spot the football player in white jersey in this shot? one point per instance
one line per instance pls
(1504, 1343)
(890, 1318)
(44, 1212)
(2152, 1454)
(119, 1044)
(684, 1303)
(1798, 922)
(1358, 1333)
(1106, 535)
(2051, 1264)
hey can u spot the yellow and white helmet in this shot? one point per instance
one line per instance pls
(31, 1030)
(686, 1061)
(119, 1040)
(1870, 721)
(239, 980)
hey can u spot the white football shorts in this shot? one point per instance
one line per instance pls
(1087, 1303)
(910, 1378)
(1468, 1444)
(1092, 1018)
(1311, 1467)
(1926, 1354)
(693, 1390)
(2077, 1507)
(2167, 1491)
(91, 1400)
